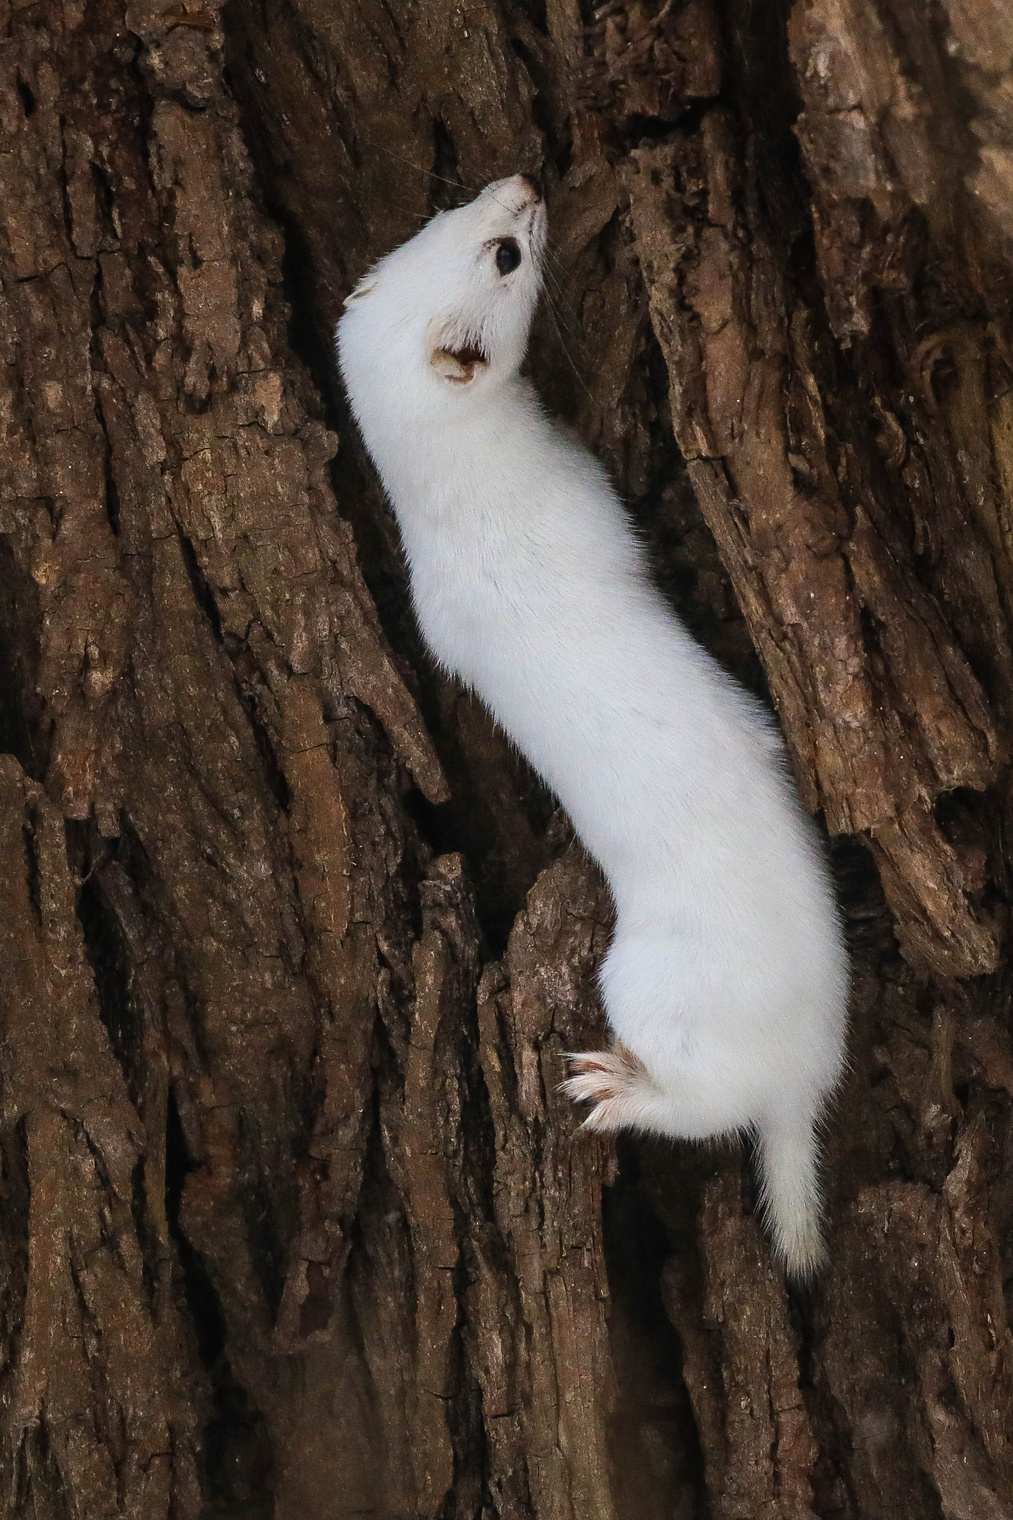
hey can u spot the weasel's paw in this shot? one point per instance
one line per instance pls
(610, 1079)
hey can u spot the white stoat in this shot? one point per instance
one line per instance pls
(726, 980)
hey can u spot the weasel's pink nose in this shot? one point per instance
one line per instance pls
(516, 194)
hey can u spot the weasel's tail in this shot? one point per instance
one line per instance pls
(790, 1192)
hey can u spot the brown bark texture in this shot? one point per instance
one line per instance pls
(294, 1220)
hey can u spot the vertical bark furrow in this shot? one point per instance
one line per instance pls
(538, 1335)
(742, 1369)
(99, 1370)
(869, 757)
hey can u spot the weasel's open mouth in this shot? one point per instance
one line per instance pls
(469, 354)
(458, 364)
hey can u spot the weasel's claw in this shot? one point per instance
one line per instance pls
(607, 1079)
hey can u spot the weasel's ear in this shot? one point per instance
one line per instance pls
(362, 289)
(458, 364)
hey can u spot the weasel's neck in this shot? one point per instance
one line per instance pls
(430, 461)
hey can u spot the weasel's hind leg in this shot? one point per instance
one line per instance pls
(624, 1095)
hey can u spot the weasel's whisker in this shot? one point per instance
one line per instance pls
(551, 306)
(401, 158)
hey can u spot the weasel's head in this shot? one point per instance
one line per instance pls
(447, 314)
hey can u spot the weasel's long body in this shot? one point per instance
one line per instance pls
(726, 981)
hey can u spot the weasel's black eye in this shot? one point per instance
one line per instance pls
(508, 255)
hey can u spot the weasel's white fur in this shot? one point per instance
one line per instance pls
(726, 980)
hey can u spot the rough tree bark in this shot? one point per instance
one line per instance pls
(294, 1220)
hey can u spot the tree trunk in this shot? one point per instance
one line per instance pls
(294, 1219)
